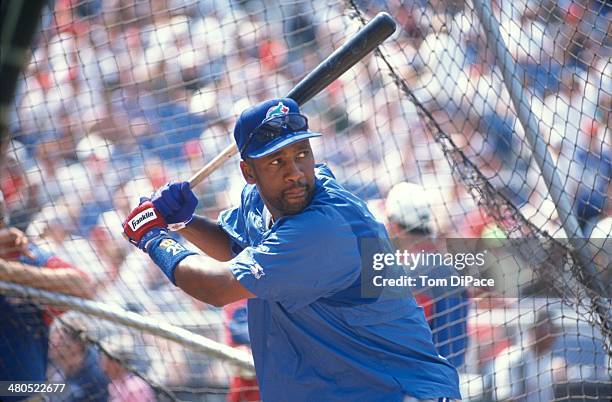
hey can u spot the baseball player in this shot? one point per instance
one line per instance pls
(294, 247)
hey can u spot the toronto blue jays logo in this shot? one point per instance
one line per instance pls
(257, 270)
(277, 110)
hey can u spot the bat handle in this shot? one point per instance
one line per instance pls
(211, 166)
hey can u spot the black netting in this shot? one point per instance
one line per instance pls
(122, 96)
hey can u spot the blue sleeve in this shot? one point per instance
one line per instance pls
(323, 170)
(308, 256)
(233, 222)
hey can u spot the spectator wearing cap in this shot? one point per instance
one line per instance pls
(410, 224)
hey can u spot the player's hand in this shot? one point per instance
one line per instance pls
(143, 224)
(176, 203)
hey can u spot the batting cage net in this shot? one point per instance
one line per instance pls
(482, 126)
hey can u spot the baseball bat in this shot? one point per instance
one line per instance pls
(340, 61)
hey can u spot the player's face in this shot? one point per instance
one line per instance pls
(284, 179)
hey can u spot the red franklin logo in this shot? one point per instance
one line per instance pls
(145, 216)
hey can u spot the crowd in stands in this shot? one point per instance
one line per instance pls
(122, 96)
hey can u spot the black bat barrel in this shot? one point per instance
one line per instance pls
(342, 59)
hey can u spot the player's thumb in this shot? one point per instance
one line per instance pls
(188, 195)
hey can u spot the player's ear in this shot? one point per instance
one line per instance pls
(247, 172)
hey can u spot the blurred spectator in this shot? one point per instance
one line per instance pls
(586, 174)
(440, 65)
(126, 157)
(214, 139)
(595, 176)
(76, 363)
(174, 125)
(243, 387)
(43, 173)
(600, 241)
(20, 197)
(527, 371)
(52, 230)
(410, 224)
(124, 385)
(564, 112)
(300, 35)
(24, 329)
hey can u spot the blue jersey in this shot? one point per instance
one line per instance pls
(313, 335)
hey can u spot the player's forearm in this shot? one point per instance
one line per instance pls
(211, 283)
(206, 235)
(67, 281)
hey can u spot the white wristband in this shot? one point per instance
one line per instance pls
(174, 227)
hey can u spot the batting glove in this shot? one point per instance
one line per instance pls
(176, 203)
(146, 229)
(143, 224)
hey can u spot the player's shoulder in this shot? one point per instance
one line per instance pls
(319, 221)
(323, 172)
(330, 194)
(250, 197)
(343, 208)
(313, 221)
(328, 190)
